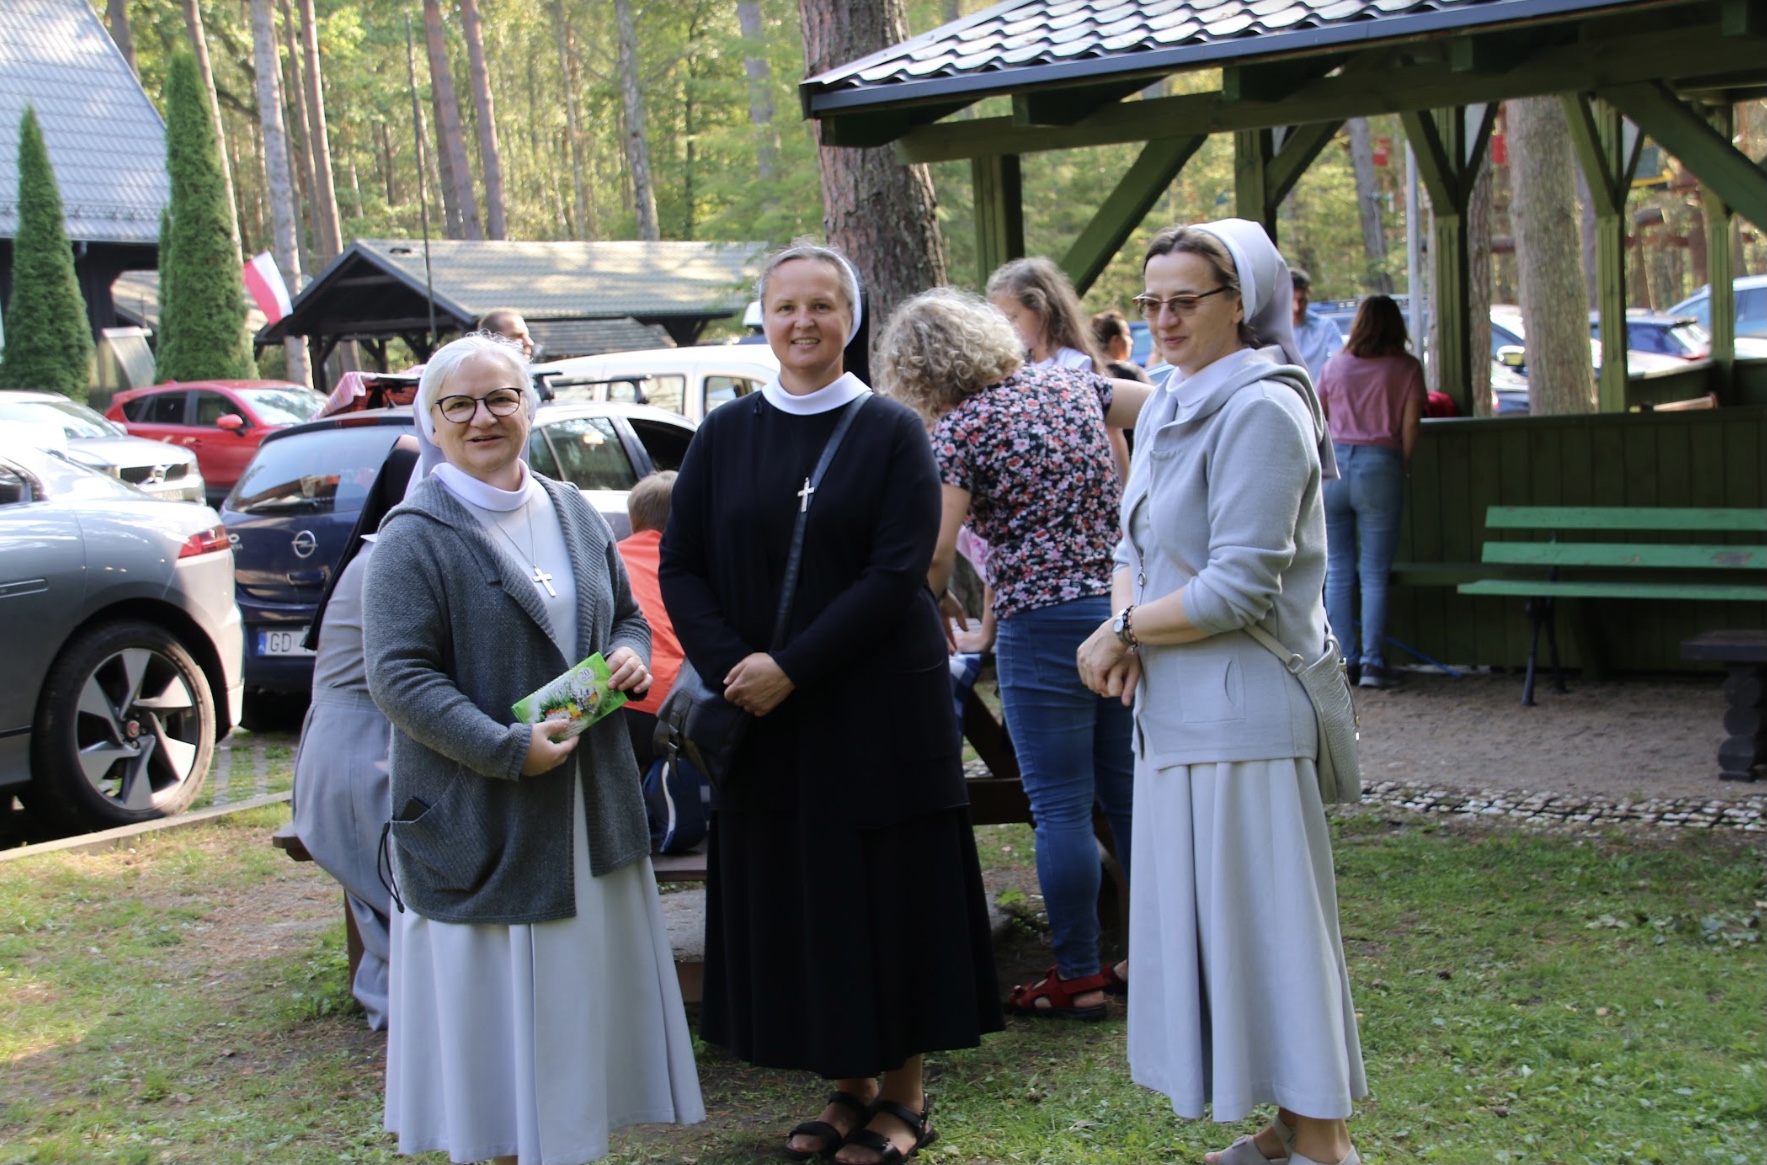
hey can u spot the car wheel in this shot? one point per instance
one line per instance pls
(125, 729)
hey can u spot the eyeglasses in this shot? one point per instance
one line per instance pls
(499, 402)
(1180, 305)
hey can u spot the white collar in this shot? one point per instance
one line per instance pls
(843, 391)
(1191, 391)
(484, 495)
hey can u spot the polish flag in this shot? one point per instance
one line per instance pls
(265, 283)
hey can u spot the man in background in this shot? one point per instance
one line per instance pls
(508, 323)
(1318, 338)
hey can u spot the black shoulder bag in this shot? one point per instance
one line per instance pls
(696, 721)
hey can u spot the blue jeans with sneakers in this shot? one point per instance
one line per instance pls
(1361, 537)
(1073, 750)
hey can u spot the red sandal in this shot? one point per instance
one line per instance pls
(1114, 984)
(1060, 994)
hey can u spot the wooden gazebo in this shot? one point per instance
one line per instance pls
(1292, 71)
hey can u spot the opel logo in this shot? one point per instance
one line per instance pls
(305, 544)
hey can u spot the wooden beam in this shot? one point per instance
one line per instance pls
(1116, 219)
(1252, 151)
(1453, 354)
(1686, 134)
(1300, 147)
(1744, 18)
(999, 212)
(1672, 54)
(1720, 271)
(1441, 177)
(1277, 80)
(1072, 105)
(865, 130)
(1607, 151)
(1500, 52)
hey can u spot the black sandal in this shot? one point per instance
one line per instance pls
(886, 1150)
(831, 1137)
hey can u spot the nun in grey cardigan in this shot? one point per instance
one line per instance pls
(458, 635)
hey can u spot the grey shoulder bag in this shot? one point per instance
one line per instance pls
(696, 721)
(1327, 682)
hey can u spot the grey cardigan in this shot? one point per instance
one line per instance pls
(454, 634)
(1224, 504)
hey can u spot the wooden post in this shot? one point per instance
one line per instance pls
(1453, 355)
(1252, 151)
(1720, 271)
(999, 212)
(1607, 149)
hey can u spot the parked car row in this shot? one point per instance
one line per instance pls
(142, 628)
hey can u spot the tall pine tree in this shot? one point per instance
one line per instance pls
(202, 295)
(48, 338)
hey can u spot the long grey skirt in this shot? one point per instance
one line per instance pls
(535, 1041)
(1238, 992)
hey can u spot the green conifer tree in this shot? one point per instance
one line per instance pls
(202, 332)
(48, 337)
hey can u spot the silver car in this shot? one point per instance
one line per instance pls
(157, 469)
(122, 661)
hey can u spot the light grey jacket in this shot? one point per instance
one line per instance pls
(455, 633)
(1224, 504)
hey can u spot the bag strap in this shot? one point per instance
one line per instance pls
(1292, 660)
(794, 562)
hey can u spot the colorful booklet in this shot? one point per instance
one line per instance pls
(580, 696)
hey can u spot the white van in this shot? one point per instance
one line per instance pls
(689, 381)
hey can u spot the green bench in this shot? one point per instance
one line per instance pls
(1597, 569)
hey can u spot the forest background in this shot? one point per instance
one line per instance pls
(679, 119)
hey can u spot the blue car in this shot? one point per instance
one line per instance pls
(293, 508)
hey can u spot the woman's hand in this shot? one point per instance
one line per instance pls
(757, 684)
(954, 619)
(545, 751)
(629, 672)
(1107, 665)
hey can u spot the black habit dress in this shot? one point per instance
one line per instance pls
(846, 924)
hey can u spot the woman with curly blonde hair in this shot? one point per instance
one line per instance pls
(1024, 458)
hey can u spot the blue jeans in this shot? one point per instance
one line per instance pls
(1361, 537)
(1073, 749)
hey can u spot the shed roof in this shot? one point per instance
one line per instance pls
(378, 285)
(1024, 43)
(136, 296)
(562, 338)
(106, 140)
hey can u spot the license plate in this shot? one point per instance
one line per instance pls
(282, 642)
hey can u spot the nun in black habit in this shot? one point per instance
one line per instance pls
(847, 928)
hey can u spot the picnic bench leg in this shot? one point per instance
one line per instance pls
(1745, 693)
(1558, 675)
(1533, 607)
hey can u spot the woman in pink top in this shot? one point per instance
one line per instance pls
(1373, 396)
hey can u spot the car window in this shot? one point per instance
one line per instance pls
(283, 406)
(1688, 340)
(540, 453)
(74, 419)
(160, 408)
(1700, 308)
(1751, 311)
(590, 455)
(666, 443)
(211, 407)
(724, 389)
(322, 471)
(668, 391)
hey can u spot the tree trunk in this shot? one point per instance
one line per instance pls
(278, 182)
(490, 158)
(637, 144)
(117, 14)
(879, 211)
(296, 109)
(760, 79)
(200, 45)
(324, 188)
(456, 172)
(1375, 276)
(1478, 278)
(586, 226)
(1543, 207)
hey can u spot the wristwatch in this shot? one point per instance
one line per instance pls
(1123, 625)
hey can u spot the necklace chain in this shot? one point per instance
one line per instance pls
(540, 577)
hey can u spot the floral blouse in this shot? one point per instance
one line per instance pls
(1033, 454)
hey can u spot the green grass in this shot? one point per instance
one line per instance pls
(1524, 997)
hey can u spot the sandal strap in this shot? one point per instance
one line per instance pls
(830, 1136)
(1060, 992)
(915, 1121)
(852, 1104)
(886, 1150)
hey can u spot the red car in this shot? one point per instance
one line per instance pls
(221, 421)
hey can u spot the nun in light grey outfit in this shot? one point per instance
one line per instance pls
(534, 1003)
(342, 793)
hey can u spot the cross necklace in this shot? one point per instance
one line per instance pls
(540, 577)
